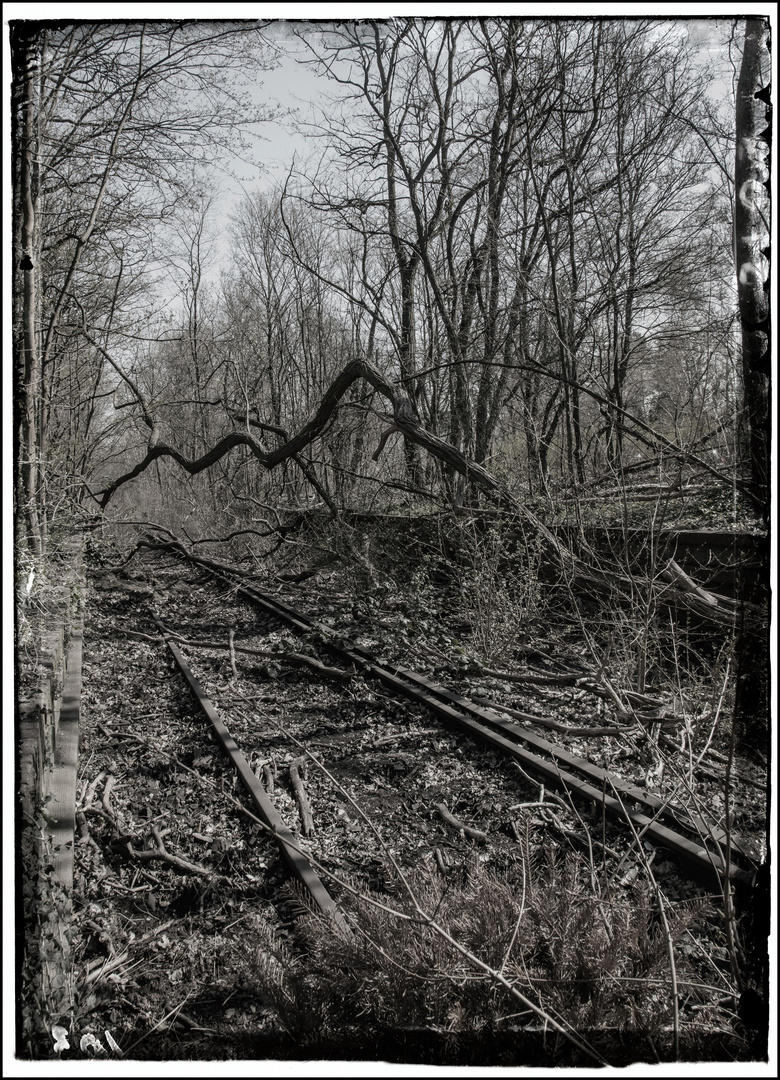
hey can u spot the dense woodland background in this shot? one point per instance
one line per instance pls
(524, 227)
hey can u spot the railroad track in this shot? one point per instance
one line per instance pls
(703, 849)
(192, 691)
(297, 860)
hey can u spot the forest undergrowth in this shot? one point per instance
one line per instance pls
(549, 931)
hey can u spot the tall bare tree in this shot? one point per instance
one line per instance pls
(751, 235)
(106, 117)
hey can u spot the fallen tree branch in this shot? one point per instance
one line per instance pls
(107, 967)
(675, 574)
(556, 725)
(611, 580)
(582, 681)
(89, 794)
(106, 817)
(273, 530)
(110, 782)
(307, 822)
(266, 654)
(161, 854)
(85, 836)
(474, 834)
(385, 436)
(405, 735)
(442, 865)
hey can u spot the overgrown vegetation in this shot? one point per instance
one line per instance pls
(588, 952)
(501, 591)
(49, 992)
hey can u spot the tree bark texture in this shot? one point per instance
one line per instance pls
(751, 707)
(749, 235)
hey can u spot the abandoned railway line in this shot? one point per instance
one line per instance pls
(391, 550)
(699, 844)
(241, 740)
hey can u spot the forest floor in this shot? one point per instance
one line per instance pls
(210, 957)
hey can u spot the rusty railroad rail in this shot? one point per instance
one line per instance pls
(289, 845)
(704, 849)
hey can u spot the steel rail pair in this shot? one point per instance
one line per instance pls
(705, 849)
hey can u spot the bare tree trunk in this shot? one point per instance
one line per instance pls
(751, 706)
(28, 360)
(753, 299)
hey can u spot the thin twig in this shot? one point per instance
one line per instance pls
(511, 944)
(176, 1009)
(728, 899)
(714, 724)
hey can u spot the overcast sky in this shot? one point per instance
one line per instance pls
(298, 91)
